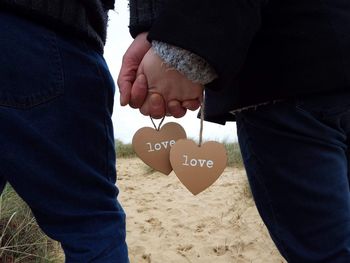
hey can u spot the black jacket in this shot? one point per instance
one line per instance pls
(262, 50)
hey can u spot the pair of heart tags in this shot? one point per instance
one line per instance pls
(167, 148)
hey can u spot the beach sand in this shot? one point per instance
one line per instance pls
(167, 224)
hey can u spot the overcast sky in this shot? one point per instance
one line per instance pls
(127, 120)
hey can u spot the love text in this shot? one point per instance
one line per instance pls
(197, 162)
(159, 146)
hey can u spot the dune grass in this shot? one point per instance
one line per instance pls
(124, 150)
(21, 240)
(234, 156)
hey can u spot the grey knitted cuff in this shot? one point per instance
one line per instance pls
(191, 65)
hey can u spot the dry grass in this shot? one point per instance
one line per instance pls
(124, 150)
(234, 155)
(21, 240)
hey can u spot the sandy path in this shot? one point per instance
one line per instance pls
(166, 224)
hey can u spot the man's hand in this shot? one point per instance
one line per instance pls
(178, 92)
(133, 91)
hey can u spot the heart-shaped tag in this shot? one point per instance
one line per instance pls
(198, 167)
(153, 146)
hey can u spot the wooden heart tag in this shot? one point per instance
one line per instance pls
(198, 167)
(153, 146)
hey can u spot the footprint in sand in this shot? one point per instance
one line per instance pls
(147, 258)
(142, 209)
(154, 222)
(155, 226)
(200, 228)
(181, 249)
(129, 189)
(220, 250)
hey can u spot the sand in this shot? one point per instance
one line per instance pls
(167, 224)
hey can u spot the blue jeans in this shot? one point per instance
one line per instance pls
(56, 138)
(296, 154)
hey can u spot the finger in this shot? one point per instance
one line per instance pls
(125, 91)
(154, 106)
(130, 63)
(138, 92)
(191, 104)
(175, 109)
(125, 80)
(157, 106)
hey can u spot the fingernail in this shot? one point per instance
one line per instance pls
(185, 104)
(142, 79)
(121, 101)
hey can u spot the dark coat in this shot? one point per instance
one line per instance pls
(262, 50)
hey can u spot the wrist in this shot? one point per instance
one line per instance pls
(189, 64)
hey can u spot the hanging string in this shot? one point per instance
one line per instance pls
(202, 123)
(160, 124)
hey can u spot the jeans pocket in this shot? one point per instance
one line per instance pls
(30, 65)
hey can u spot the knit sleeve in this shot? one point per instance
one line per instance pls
(142, 14)
(189, 64)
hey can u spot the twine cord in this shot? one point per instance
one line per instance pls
(202, 124)
(160, 124)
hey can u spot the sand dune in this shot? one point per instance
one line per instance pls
(167, 224)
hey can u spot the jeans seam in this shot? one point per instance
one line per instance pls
(249, 143)
(105, 88)
(58, 60)
(104, 117)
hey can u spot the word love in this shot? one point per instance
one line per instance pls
(198, 167)
(159, 146)
(153, 146)
(198, 162)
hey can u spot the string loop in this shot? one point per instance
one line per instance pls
(160, 124)
(202, 122)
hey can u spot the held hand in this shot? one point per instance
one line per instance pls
(133, 91)
(155, 107)
(179, 93)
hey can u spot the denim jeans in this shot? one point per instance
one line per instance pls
(56, 138)
(296, 154)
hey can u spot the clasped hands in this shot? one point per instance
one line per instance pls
(147, 83)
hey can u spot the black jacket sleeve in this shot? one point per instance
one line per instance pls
(142, 14)
(218, 31)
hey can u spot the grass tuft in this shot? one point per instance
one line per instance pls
(124, 150)
(234, 155)
(21, 240)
